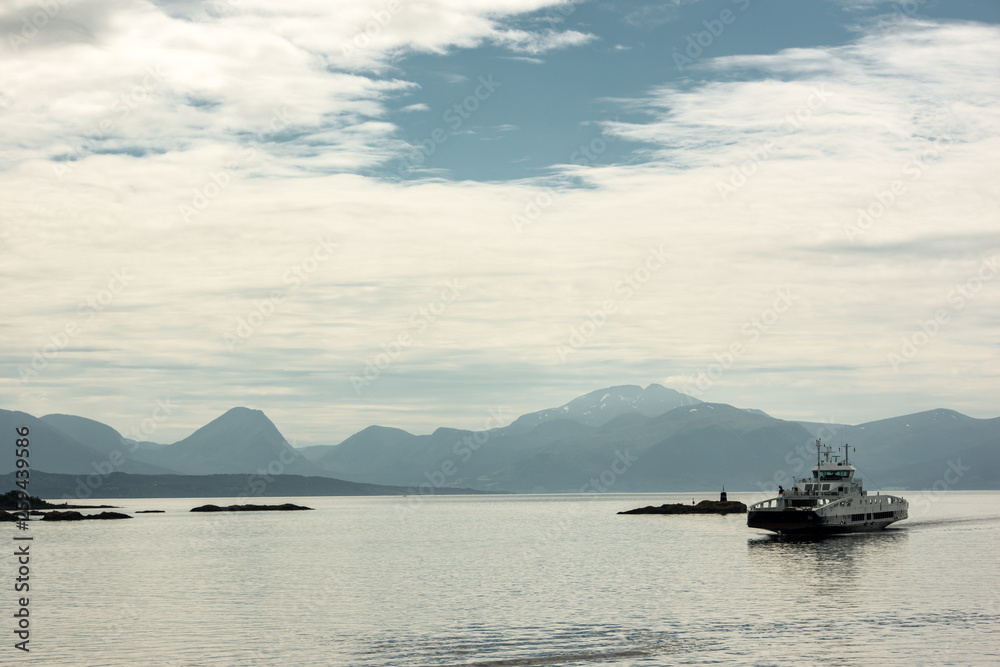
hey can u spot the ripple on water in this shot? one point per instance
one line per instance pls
(520, 647)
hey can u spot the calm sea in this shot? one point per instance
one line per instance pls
(506, 581)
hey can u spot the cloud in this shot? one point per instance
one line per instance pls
(655, 15)
(259, 124)
(139, 78)
(536, 43)
(525, 59)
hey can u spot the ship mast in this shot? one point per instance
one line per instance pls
(819, 465)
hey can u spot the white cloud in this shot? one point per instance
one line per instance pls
(534, 43)
(656, 14)
(891, 97)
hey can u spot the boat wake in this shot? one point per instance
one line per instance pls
(919, 524)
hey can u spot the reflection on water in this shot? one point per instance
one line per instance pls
(511, 581)
(830, 572)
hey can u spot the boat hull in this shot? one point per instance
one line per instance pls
(806, 522)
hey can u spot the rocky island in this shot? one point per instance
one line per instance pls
(721, 506)
(76, 516)
(250, 508)
(16, 499)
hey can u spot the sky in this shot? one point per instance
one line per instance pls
(421, 213)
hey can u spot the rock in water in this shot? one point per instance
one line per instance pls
(250, 508)
(63, 516)
(76, 516)
(704, 507)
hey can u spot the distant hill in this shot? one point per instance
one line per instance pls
(924, 436)
(393, 456)
(240, 441)
(91, 433)
(121, 485)
(599, 407)
(691, 447)
(53, 450)
(624, 439)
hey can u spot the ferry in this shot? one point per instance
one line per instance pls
(830, 501)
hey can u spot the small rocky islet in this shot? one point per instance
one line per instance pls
(721, 506)
(55, 515)
(77, 516)
(65, 512)
(250, 508)
(25, 505)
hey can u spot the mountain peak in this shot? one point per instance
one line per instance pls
(600, 407)
(242, 412)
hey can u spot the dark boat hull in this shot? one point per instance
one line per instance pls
(805, 522)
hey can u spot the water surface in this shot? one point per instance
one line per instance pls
(508, 580)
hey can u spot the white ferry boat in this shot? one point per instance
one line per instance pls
(831, 501)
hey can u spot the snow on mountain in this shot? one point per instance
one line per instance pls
(600, 407)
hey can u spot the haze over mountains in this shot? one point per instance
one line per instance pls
(621, 439)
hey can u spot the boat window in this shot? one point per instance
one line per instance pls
(836, 475)
(826, 487)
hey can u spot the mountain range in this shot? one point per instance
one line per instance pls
(623, 439)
